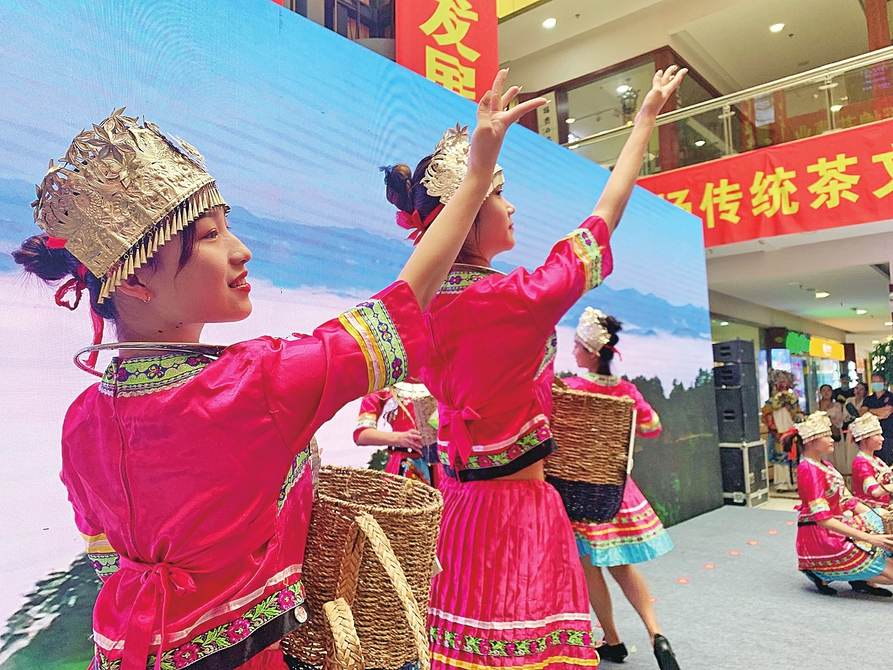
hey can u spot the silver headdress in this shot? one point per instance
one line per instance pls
(449, 166)
(591, 331)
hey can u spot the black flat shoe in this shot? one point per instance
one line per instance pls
(868, 589)
(612, 652)
(823, 588)
(663, 652)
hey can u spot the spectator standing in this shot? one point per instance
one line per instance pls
(880, 403)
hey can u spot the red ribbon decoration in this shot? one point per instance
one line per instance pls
(78, 284)
(415, 223)
(55, 242)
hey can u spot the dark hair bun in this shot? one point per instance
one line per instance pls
(398, 179)
(49, 264)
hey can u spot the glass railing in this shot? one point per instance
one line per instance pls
(841, 95)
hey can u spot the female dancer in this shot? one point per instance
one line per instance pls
(512, 592)
(831, 546)
(404, 442)
(635, 535)
(872, 478)
(190, 478)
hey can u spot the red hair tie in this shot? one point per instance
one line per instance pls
(415, 223)
(55, 242)
(78, 284)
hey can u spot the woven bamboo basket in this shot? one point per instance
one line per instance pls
(887, 518)
(595, 435)
(367, 571)
(424, 409)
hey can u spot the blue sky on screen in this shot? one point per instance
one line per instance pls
(294, 121)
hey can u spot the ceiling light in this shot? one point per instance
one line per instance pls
(700, 143)
(821, 294)
(723, 323)
(861, 311)
(836, 108)
(888, 323)
(875, 341)
(549, 23)
(776, 27)
(571, 120)
(623, 88)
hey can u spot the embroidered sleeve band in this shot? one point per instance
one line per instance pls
(372, 327)
(102, 557)
(590, 255)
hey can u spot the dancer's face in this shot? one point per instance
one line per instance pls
(211, 287)
(495, 231)
(584, 358)
(824, 445)
(874, 442)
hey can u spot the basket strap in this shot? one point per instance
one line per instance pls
(381, 546)
(346, 653)
(351, 559)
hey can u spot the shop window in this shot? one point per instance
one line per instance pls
(360, 19)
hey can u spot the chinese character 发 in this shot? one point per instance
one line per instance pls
(454, 17)
(447, 71)
(887, 160)
(833, 183)
(772, 193)
(724, 197)
(678, 198)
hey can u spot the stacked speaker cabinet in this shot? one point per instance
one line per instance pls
(742, 452)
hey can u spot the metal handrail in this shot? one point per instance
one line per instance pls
(824, 72)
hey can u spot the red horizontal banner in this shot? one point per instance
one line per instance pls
(838, 179)
(454, 43)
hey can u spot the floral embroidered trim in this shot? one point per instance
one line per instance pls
(101, 555)
(514, 451)
(371, 326)
(590, 254)
(819, 506)
(601, 380)
(650, 427)
(295, 472)
(464, 276)
(551, 350)
(225, 635)
(150, 374)
(367, 420)
(481, 646)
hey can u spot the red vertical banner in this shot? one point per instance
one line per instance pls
(454, 43)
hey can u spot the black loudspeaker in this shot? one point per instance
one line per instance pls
(734, 351)
(738, 414)
(735, 374)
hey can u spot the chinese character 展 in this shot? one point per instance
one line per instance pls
(725, 198)
(887, 160)
(833, 183)
(772, 193)
(447, 71)
(453, 18)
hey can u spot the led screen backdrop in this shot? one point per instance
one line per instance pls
(293, 121)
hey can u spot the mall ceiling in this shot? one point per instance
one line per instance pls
(734, 39)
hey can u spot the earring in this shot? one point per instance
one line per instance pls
(146, 300)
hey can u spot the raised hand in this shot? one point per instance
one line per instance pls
(663, 86)
(494, 120)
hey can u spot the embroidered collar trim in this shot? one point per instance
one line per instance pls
(603, 380)
(143, 375)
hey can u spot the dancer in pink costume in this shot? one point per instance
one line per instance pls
(872, 478)
(512, 592)
(832, 546)
(635, 534)
(192, 478)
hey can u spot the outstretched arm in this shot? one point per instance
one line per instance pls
(427, 268)
(620, 184)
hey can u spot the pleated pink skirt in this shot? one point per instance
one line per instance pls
(512, 592)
